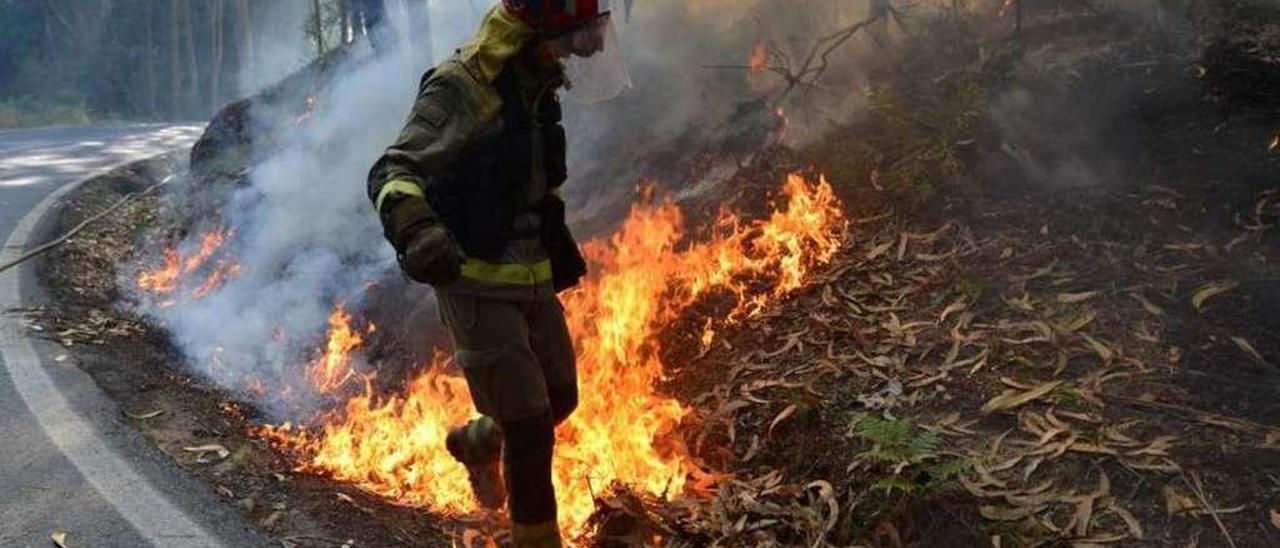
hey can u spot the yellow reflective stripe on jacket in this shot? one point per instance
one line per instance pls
(507, 273)
(398, 186)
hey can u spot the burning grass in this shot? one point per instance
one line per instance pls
(191, 273)
(646, 275)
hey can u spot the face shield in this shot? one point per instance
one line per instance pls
(594, 67)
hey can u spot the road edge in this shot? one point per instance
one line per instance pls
(153, 515)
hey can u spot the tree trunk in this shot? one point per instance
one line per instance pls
(175, 58)
(317, 27)
(216, 26)
(150, 60)
(245, 47)
(75, 25)
(193, 63)
(46, 16)
(345, 35)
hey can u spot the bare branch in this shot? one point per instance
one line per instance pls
(822, 50)
(76, 230)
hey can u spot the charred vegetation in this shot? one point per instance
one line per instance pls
(1042, 305)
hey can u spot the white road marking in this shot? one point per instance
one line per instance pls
(150, 512)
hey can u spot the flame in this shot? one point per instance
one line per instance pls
(759, 60)
(209, 244)
(1275, 143)
(164, 279)
(179, 269)
(393, 446)
(218, 276)
(644, 277)
(332, 370)
(708, 334)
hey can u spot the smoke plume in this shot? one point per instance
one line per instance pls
(306, 238)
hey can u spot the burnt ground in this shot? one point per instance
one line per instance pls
(1026, 361)
(997, 356)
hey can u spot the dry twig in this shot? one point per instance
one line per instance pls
(815, 63)
(42, 248)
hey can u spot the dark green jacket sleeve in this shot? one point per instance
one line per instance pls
(444, 121)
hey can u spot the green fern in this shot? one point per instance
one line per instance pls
(946, 470)
(901, 450)
(896, 441)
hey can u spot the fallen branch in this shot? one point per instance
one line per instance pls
(42, 248)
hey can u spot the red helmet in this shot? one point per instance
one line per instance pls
(554, 17)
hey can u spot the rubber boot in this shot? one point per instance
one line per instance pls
(540, 535)
(478, 446)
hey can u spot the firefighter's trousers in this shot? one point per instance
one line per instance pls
(519, 363)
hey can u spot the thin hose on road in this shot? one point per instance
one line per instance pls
(70, 233)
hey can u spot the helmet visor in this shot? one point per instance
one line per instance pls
(595, 68)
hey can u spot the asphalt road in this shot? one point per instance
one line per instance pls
(67, 461)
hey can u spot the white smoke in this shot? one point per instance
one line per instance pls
(281, 46)
(304, 229)
(691, 86)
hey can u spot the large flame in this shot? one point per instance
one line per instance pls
(644, 277)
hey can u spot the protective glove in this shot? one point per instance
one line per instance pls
(426, 251)
(432, 257)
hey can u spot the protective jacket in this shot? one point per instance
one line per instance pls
(483, 153)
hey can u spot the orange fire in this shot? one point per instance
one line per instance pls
(332, 370)
(759, 59)
(394, 445)
(218, 275)
(708, 334)
(179, 268)
(1275, 143)
(164, 279)
(645, 276)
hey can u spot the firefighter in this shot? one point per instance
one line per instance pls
(469, 198)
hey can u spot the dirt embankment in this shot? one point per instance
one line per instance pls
(1070, 336)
